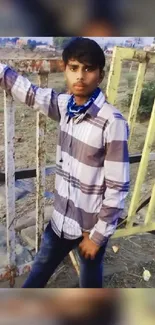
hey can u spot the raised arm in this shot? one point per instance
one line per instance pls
(40, 99)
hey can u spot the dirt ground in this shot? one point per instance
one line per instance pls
(25, 157)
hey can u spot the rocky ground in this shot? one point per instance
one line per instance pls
(6, 53)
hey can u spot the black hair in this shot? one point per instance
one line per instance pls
(84, 50)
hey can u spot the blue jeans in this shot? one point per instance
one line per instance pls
(52, 252)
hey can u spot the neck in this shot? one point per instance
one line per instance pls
(80, 100)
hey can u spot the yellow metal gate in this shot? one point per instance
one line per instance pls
(143, 58)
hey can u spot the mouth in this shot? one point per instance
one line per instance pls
(79, 86)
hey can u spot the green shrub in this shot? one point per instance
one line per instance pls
(146, 101)
(130, 77)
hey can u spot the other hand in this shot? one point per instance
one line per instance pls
(87, 247)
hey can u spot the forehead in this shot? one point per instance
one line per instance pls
(77, 63)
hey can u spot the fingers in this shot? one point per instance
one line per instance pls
(92, 256)
(87, 256)
(80, 245)
(82, 250)
(85, 253)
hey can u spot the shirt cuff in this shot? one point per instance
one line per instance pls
(2, 69)
(97, 238)
(102, 231)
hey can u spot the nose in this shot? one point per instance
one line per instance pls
(79, 74)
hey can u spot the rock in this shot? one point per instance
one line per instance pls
(22, 188)
(142, 213)
(19, 249)
(29, 235)
(2, 194)
(3, 259)
(2, 201)
(3, 255)
(22, 254)
(19, 139)
(2, 236)
(30, 218)
(144, 188)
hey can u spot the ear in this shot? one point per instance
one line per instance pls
(65, 75)
(65, 71)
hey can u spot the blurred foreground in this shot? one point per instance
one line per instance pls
(106, 307)
(78, 17)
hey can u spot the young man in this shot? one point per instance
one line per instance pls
(92, 178)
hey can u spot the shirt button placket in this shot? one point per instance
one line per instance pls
(69, 162)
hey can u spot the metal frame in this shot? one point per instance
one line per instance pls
(143, 58)
(43, 67)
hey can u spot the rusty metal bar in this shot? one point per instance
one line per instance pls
(5, 273)
(31, 173)
(9, 119)
(34, 66)
(51, 169)
(40, 166)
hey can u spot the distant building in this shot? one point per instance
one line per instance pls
(149, 48)
(20, 43)
(41, 47)
(9, 45)
(109, 51)
(153, 46)
(129, 43)
(45, 48)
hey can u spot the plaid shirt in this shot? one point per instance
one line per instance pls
(92, 162)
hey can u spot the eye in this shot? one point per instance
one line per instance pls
(73, 68)
(89, 69)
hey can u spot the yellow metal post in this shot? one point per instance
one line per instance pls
(151, 207)
(114, 76)
(135, 55)
(134, 230)
(136, 99)
(142, 168)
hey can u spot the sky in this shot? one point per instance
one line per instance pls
(146, 40)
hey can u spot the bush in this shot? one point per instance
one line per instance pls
(130, 77)
(146, 101)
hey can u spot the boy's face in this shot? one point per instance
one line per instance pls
(82, 79)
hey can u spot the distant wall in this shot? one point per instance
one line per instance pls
(35, 65)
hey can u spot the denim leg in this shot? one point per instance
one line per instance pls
(91, 271)
(52, 252)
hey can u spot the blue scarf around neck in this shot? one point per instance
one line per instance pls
(75, 110)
